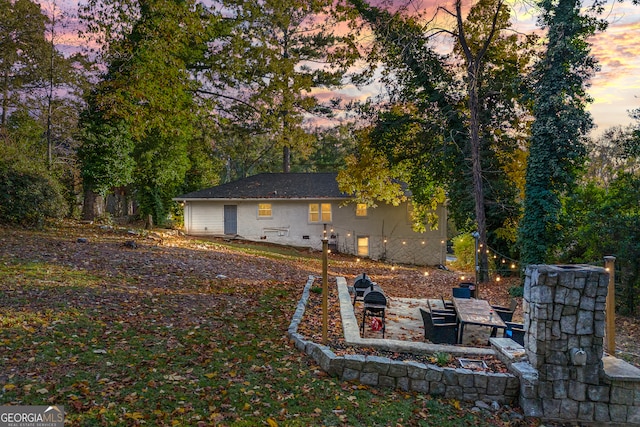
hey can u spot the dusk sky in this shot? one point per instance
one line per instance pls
(615, 89)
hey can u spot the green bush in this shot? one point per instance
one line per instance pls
(464, 248)
(27, 198)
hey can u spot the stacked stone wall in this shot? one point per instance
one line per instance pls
(565, 322)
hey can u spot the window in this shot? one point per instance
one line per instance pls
(361, 210)
(264, 210)
(363, 246)
(319, 212)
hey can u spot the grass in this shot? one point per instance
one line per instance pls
(116, 351)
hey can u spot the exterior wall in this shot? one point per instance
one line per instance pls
(388, 228)
(204, 218)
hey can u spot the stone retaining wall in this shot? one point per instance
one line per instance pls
(460, 384)
(566, 377)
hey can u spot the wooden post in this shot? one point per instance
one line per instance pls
(610, 311)
(325, 289)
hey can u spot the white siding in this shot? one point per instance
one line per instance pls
(387, 227)
(204, 218)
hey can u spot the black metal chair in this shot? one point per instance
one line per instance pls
(504, 314)
(448, 304)
(471, 286)
(444, 332)
(501, 309)
(449, 315)
(461, 292)
(515, 331)
(437, 330)
(428, 323)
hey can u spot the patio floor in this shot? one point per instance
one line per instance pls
(404, 322)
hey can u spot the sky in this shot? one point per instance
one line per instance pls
(615, 89)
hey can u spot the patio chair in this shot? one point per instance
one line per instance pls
(471, 286)
(449, 315)
(515, 331)
(461, 292)
(437, 330)
(448, 304)
(505, 315)
(512, 307)
(428, 323)
(444, 332)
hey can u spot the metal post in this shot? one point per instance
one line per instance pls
(325, 289)
(610, 311)
(476, 236)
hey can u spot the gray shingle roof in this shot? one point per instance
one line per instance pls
(274, 186)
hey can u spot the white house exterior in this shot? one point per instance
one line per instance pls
(298, 208)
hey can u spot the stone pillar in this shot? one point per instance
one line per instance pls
(564, 307)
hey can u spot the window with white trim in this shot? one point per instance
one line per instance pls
(320, 212)
(363, 245)
(264, 210)
(361, 210)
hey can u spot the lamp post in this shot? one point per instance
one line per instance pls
(476, 236)
(325, 289)
(610, 304)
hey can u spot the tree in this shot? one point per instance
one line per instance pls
(611, 154)
(451, 133)
(420, 128)
(557, 149)
(279, 52)
(147, 97)
(23, 49)
(599, 220)
(29, 194)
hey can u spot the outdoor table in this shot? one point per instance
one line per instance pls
(473, 311)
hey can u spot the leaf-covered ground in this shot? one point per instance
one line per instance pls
(175, 331)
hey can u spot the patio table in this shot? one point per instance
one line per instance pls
(473, 311)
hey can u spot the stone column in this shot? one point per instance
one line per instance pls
(564, 309)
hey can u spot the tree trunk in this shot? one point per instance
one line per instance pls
(476, 170)
(93, 206)
(286, 159)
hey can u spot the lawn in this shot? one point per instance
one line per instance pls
(176, 332)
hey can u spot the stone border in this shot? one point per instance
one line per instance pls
(452, 383)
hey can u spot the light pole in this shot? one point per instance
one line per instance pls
(325, 290)
(476, 236)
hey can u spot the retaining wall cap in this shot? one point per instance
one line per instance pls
(618, 370)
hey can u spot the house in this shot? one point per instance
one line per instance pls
(299, 208)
